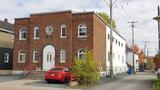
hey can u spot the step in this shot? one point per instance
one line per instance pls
(34, 75)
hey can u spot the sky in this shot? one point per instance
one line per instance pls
(124, 11)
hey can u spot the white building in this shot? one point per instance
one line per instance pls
(129, 58)
(119, 52)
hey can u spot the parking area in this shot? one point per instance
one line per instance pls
(43, 83)
(8, 82)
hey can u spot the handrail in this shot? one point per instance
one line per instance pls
(26, 71)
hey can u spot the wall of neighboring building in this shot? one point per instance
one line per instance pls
(6, 46)
(129, 59)
(6, 39)
(99, 42)
(136, 62)
(119, 52)
(6, 65)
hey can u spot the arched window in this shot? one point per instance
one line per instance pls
(63, 31)
(36, 32)
(62, 56)
(22, 56)
(23, 34)
(35, 55)
(82, 30)
(49, 30)
(81, 54)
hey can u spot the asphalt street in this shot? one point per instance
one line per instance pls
(139, 81)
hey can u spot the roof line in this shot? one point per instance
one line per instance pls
(109, 25)
(51, 12)
(4, 30)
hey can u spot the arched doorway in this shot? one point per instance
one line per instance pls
(48, 57)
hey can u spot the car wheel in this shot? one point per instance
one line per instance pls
(66, 80)
(48, 81)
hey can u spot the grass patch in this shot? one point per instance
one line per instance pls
(156, 85)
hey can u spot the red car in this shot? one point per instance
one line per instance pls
(59, 74)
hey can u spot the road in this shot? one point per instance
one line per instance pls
(140, 81)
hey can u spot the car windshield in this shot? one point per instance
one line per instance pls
(57, 69)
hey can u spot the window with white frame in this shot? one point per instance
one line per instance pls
(35, 55)
(82, 30)
(21, 56)
(63, 31)
(36, 32)
(62, 56)
(23, 34)
(6, 57)
(81, 54)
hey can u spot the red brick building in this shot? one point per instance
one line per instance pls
(45, 40)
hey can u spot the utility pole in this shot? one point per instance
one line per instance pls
(111, 40)
(111, 4)
(145, 46)
(158, 31)
(145, 52)
(157, 18)
(133, 26)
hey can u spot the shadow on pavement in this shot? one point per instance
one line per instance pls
(43, 83)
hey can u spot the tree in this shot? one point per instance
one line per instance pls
(136, 49)
(86, 70)
(157, 55)
(141, 57)
(107, 19)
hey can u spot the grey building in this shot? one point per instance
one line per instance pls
(6, 45)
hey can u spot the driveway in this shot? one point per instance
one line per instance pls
(14, 83)
(139, 81)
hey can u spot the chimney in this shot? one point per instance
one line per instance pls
(6, 20)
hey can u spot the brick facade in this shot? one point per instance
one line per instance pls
(72, 43)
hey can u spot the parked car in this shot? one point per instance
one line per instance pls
(61, 74)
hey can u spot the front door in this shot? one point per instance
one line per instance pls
(48, 57)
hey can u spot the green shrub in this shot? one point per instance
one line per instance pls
(156, 85)
(86, 70)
